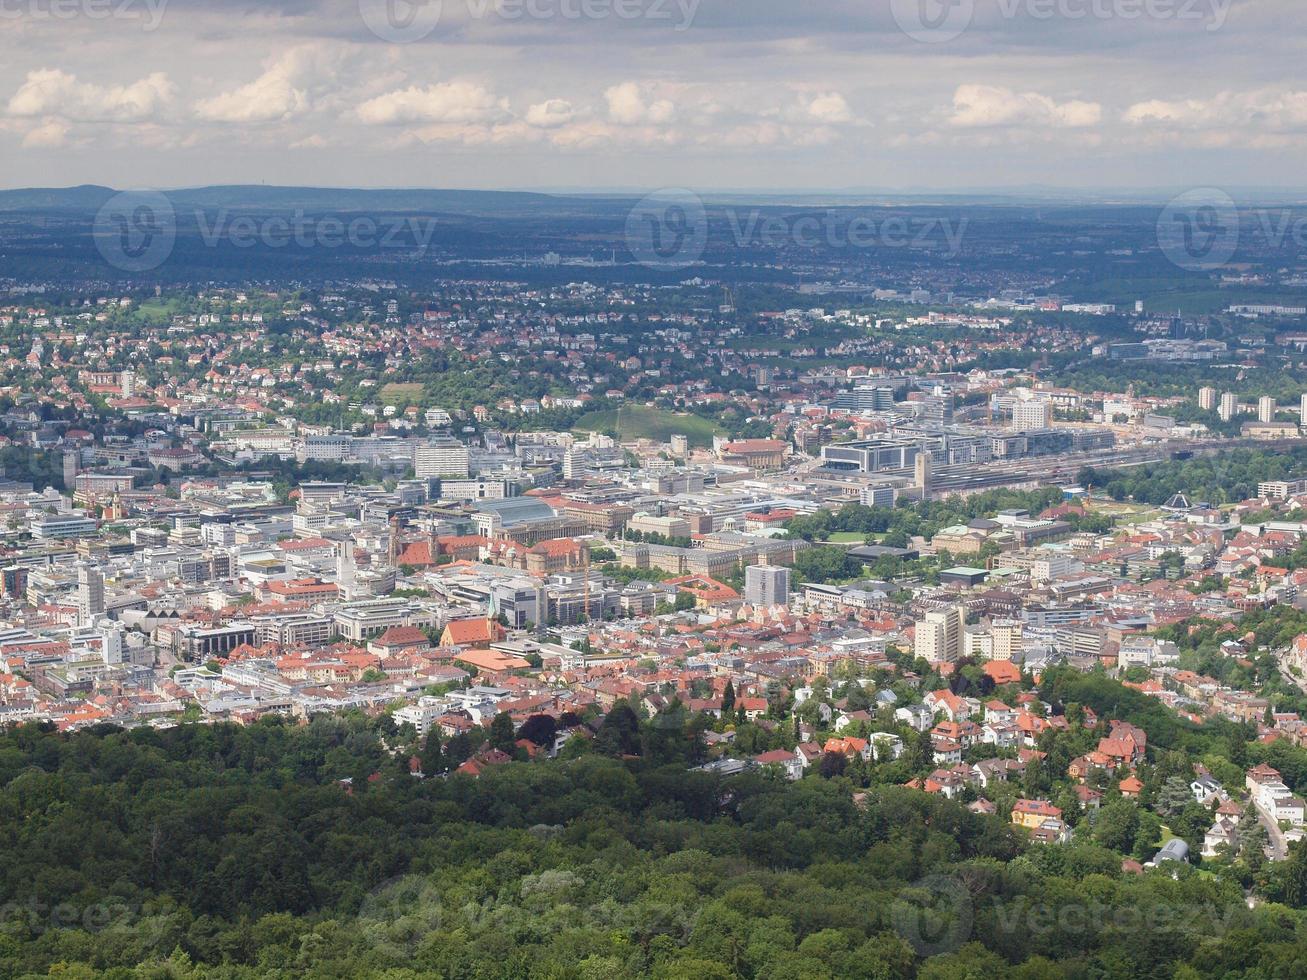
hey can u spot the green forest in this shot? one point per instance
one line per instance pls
(311, 851)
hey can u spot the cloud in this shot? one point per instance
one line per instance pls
(1274, 110)
(991, 105)
(830, 107)
(628, 106)
(53, 92)
(550, 114)
(447, 102)
(50, 135)
(285, 90)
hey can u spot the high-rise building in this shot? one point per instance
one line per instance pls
(767, 585)
(1007, 639)
(1302, 409)
(939, 635)
(72, 465)
(112, 643)
(1229, 406)
(1207, 399)
(1266, 409)
(680, 445)
(441, 458)
(1032, 414)
(90, 594)
(922, 470)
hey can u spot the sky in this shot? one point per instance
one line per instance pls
(702, 94)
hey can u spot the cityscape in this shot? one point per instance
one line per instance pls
(531, 568)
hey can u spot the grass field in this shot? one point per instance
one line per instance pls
(639, 422)
(400, 395)
(847, 537)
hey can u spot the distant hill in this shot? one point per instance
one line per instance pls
(258, 197)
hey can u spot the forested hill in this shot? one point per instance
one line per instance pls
(240, 852)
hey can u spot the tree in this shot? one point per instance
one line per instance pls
(619, 734)
(833, 764)
(502, 734)
(430, 754)
(728, 698)
(1117, 825)
(539, 729)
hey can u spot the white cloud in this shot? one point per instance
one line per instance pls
(447, 102)
(1276, 110)
(628, 105)
(992, 105)
(284, 91)
(550, 114)
(51, 134)
(53, 92)
(830, 107)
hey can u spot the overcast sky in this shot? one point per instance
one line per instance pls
(705, 94)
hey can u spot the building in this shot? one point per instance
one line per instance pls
(1207, 399)
(74, 524)
(90, 594)
(1266, 409)
(878, 495)
(1032, 415)
(1229, 406)
(441, 458)
(939, 636)
(922, 472)
(757, 454)
(767, 585)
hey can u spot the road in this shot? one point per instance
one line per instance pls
(1279, 846)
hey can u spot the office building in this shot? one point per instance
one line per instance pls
(90, 594)
(939, 635)
(1229, 406)
(767, 585)
(1031, 416)
(441, 458)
